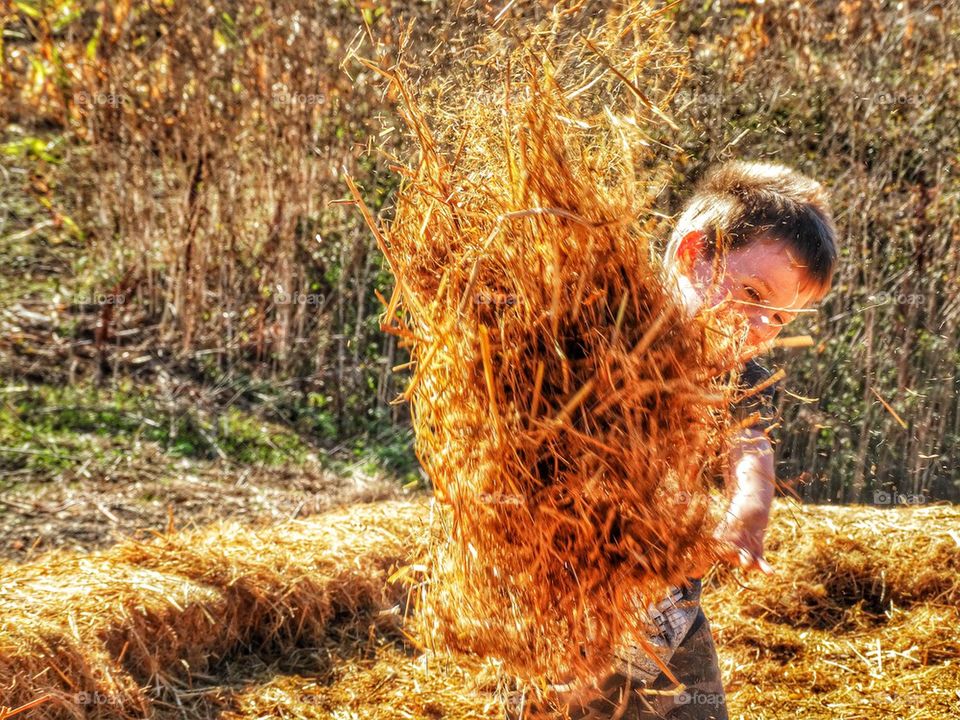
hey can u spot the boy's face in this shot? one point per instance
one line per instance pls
(762, 279)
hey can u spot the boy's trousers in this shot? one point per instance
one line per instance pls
(637, 690)
(694, 663)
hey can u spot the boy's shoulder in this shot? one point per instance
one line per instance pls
(753, 374)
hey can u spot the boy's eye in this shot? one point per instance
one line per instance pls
(752, 293)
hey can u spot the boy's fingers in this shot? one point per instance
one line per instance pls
(747, 560)
(744, 558)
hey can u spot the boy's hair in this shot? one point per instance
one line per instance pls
(739, 202)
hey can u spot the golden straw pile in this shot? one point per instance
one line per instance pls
(862, 620)
(566, 407)
(95, 631)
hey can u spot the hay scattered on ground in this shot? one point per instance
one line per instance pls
(842, 566)
(892, 659)
(860, 621)
(565, 406)
(96, 631)
(861, 655)
(385, 682)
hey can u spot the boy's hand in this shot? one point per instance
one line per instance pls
(752, 476)
(743, 529)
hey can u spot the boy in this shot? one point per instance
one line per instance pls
(759, 236)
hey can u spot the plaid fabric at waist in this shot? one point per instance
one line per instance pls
(669, 620)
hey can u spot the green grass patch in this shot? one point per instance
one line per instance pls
(49, 429)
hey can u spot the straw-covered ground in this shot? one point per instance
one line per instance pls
(303, 619)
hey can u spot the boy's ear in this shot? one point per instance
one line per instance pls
(690, 248)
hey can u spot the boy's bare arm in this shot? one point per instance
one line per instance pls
(751, 478)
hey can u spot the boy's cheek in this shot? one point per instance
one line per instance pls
(761, 333)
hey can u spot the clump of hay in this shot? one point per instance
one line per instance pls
(95, 631)
(566, 406)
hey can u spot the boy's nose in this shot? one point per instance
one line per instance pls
(763, 328)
